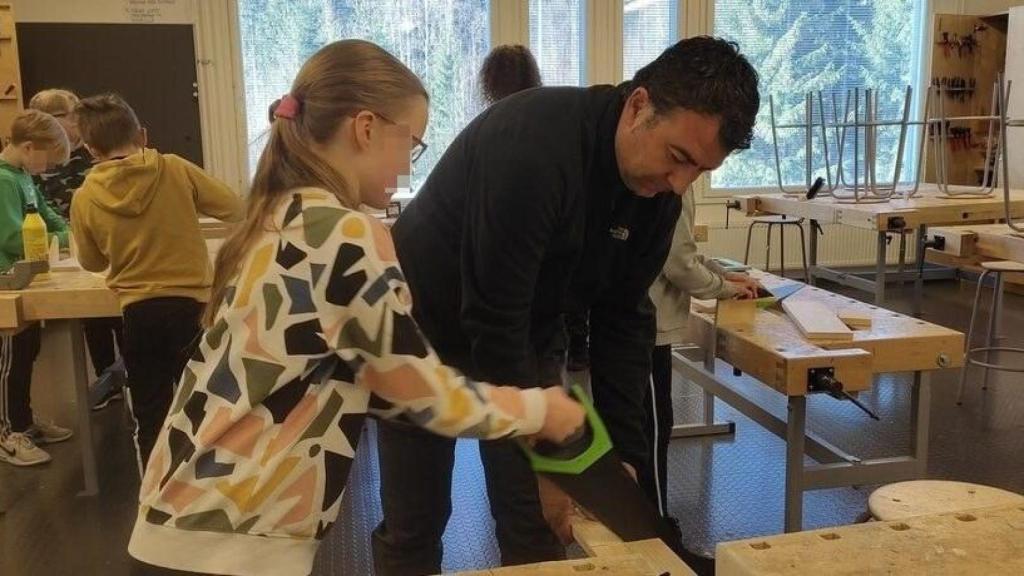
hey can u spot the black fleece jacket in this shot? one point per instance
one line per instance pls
(525, 217)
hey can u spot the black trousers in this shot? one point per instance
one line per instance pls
(160, 334)
(17, 355)
(416, 483)
(658, 427)
(100, 336)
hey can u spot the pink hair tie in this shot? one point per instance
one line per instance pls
(288, 108)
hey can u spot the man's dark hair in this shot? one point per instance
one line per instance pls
(709, 76)
(506, 70)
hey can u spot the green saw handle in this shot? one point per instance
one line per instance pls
(600, 444)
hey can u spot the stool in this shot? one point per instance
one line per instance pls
(904, 500)
(781, 221)
(996, 268)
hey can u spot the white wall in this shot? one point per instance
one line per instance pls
(105, 11)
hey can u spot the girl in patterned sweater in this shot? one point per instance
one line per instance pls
(307, 331)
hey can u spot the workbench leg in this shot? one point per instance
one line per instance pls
(814, 251)
(795, 435)
(903, 259)
(880, 268)
(922, 233)
(920, 419)
(80, 367)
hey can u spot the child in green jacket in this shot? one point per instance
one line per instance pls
(37, 142)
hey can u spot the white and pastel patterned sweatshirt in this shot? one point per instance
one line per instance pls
(315, 332)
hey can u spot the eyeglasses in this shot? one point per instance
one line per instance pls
(418, 146)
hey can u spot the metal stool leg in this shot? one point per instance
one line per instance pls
(970, 334)
(803, 253)
(782, 250)
(768, 249)
(997, 289)
(750, 232)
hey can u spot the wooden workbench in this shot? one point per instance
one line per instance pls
(895, 216)
(771, 348)
(989, 542)
(607, 555)
(66, 297)
(966, 247)
(987, 241)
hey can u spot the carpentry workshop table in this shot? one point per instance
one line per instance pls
(606, 553)
(67, 296)
(768, 346)
(894, 216)
(981, 241)
(988, 541)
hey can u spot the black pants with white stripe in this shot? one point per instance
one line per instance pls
(658, 428)
(17, 355)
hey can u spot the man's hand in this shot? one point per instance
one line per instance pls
(743, 283)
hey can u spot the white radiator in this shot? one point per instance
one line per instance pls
(840, 246)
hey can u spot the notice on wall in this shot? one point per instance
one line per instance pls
(150, 11)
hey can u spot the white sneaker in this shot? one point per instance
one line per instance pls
(42, 432)
(19, 450)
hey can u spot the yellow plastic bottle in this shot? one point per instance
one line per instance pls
(35, 238)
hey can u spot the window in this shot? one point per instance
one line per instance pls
(442, 41)
(557, 41)
(800, 47)
(648, 27)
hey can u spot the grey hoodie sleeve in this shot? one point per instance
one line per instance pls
(687, 270)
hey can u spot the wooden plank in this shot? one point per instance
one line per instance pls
(590, 534)
(816, 321)
(736, 312)
(625, 565)
(598, 541)
(659, 557)
(855, 318)
(989, 542)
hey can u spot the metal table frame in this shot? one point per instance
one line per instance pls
(835, 467)
(881, 273)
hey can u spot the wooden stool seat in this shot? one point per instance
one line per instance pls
(1003, 266)
(926, 497)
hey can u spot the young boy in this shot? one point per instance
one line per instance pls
(58, 186)
(138, 213)
(37, 142)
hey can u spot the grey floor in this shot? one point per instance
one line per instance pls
(721, 489)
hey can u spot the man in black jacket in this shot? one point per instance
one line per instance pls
(550, 198)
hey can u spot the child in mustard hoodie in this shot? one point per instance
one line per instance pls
(138, 214)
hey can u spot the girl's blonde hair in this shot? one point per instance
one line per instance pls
(42, 130)
(340, 80)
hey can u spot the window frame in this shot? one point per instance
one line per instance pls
(220, 71)
(706, 194)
